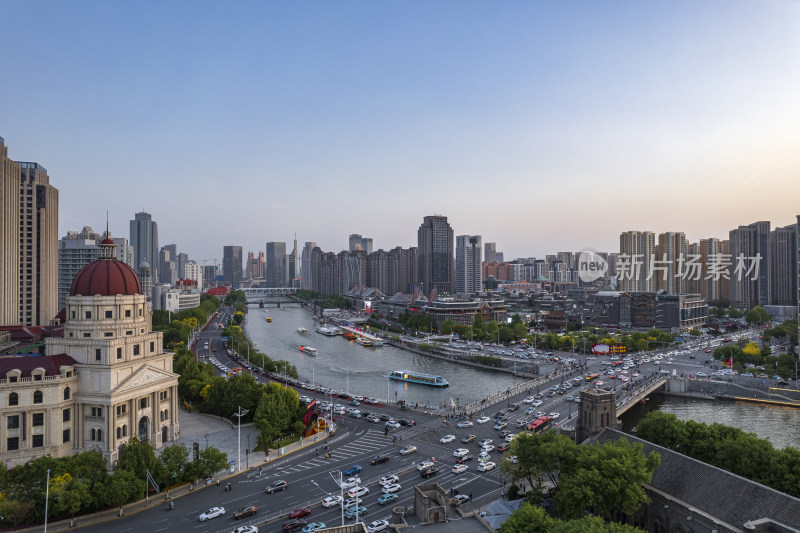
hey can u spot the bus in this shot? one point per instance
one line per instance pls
(591, 377)
(617, 363)
(540, 425)
(236, 371)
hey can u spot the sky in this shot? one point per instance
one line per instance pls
(541, 126)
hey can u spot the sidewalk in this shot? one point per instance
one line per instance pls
(222, 434)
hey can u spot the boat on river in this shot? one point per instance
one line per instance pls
(363, 341)
(326, 331)
(415, 377)
(309, 350)
(302, 330)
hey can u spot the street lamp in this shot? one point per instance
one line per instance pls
(239, 414)
(341, 488)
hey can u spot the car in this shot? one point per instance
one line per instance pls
(244, 512)
(465, 424)
(246, 529)
(390, 487)
(500, 425)
(504, 433)
(354, 402)
(354, 414)
(468, 439)
(503, 447)
(313, 526)
(508, 439)
(483, 419)
(385, 418)
(387, 498)
(374, 419)
(357, 492)
(462, 460)
(300, 513)
(211, 513)
(530, 410)
(352, 512)
(424, 465)
(457, 469)
(484, 442)
(392, 424)
(378, 459)
(488, 465)
(330, 501)
(447, 438)
(461, 452)
(428, 472)
(377, 525)
(703, 375)
(488, 448)
(461, 498)
(528, 400)
(385, 480)
(293, 525)
(405, 450)
(351, 482)
(355, 469)
(281, 484)
(404, 422)
(483, 456)
(554, 415)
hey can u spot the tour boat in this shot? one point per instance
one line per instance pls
(363, 341)
(309, 350)
(302, 330)
(415, 377)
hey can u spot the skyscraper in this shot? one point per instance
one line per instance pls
(490, 252)
(276, 273)
(144, 239)
(468, 264)
(9, 238)
(38, 250)
(232, 265)
(783, 265)
(636, 251)
(672, 252)
(749, 247)
(710, 286)
(168, 268)
(357, 242)
(305, 266)
(75, 251)
(435, 255)
(293, 272)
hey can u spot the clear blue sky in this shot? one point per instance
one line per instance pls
(543, 126)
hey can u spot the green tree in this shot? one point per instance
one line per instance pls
(175, 459)
(734, 313)
(478, 327)
(528, 519)
(77, 496)
(276, 409)
(518, 329)
(138, 457)
(209, 461)
(539, 456)
(447, 327)
(122, 487)
(756, 315)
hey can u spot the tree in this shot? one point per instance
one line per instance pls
(138, 457)
(751, 349)
(608, 478)
(276, 408)
(175, 459)
(74, 498)
(528, 519)
(539, 456)
(209, 461)
(447, 327)
(518, 329)
(121, 487)
(756, 315)
(478, 327)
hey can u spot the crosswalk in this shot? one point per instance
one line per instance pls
(369, 441)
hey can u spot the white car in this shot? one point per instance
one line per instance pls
(246, 529)
(447, 438)
(212, 513)
(377, 525)
(357, 492)
(511, 437)
(424, 465)
(554, 415)
(330, 501)
(529, 399)
(351, 482)
(485, 442)
(465, 424)
(483, 420)
(457, 469)
(461, 452)
(488, 448)
(408, 449)
(483, 456)
(386, 480)
(488, 465)
(390, 487)
(536, 403)
(392, 424)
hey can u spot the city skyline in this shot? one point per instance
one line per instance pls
(540, 127)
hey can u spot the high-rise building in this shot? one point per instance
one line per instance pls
(490, 252)
(499, 257)
(357, 242)
(194, 272)
(276, 273)
(306, 280)
(672, 253)
(435, 255)
(232, 265)
(636, 251)
(749, 269)
(168, 267)
(74, 253)
(293, 270)
(709, 250)
(567, 259)
(9, 238)
(783, 266)
(210, 274)
(468, 264)
(144, 239)
(38, 252)
(250, 266)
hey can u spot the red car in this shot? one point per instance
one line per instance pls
(300, 513)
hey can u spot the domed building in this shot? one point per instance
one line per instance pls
(107, 379)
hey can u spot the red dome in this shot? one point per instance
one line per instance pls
(106, 277)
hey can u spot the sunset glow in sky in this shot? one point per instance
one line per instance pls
(542, 126)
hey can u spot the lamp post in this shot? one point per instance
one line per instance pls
(239, 414)
(206, 436)
(341, 488)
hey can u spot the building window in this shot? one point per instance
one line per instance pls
(12, 443)
(109, 333)
(87, 335)
(13, 422)
(13, 399)
(152, 347)
(97, 434)
(166, 414)
(109, 314)
(119, 433)
(88, 315)
(72, 315)
(140, 312)
(122, 409)
(125, 430)
(65, 415)
(135, 349)
(37, 419)
(98, 354)
(12, 379)
(129, 332)
(66, 393)
(119, 353)
(38, 441)
(142, 403)
(38, 397)
(65, 434)
(127, 313)
(97, 411)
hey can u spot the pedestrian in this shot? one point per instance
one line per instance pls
(316, 451)
(217, 482)
(259, 470)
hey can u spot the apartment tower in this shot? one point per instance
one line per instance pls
(435, 255)
(468, 264)
(144, 239)
(636, 251)
(232, 265)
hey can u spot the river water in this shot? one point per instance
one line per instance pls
(781, 425)
(362, 370)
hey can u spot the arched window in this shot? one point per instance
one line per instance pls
(100, 434)
(93, 434)
(66, 393)
(13, 399)
(166, 414)
(164, 434)
(38, 397)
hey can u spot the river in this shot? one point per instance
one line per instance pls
(781, 425)
(362, 370)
